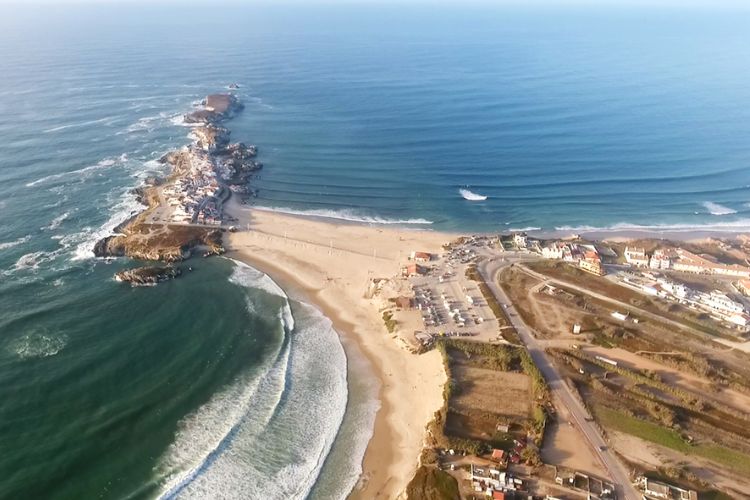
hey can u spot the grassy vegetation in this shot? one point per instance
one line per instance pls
(390, 323)
(619, 421)
(494, 357)
(432, 484)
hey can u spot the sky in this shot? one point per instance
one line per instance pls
(598, 3)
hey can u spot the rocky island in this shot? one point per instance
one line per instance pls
(184, 210)
(148, 275)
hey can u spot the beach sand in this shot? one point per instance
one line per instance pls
(330, 265)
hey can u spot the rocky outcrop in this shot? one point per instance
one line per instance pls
(171, 244)
(211, 138)
(216, 107)
(147, 276)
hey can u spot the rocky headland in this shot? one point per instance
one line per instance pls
(184, 211)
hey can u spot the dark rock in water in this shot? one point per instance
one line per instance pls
(149, 275)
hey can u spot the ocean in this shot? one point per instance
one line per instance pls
(217, 384)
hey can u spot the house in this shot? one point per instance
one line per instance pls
(413, 269)
(636, 256)
(661, 259)
(555, 250)
(497, 454)
(591, 263)
(658, 489)
(421, 256)
(692, 263)
(520, 240)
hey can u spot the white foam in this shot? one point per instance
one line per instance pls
(37, 345)
(524, 229)
(79, 124)
(57, 221)
(125, 208)
(249, 277)
(285, 428)
(738, 226)
(31, 261)
(469, 196)
(14, 243)
(146, 124)
(348, 215)
(105, 163)
(179, 121)
(716, 209)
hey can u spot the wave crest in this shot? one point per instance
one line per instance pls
(344, 214)
(716, 209)
(470, 196)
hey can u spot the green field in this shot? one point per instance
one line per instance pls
(615, 420)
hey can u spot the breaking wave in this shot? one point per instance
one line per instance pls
(14, 243)
(738, 226)
(57, 221)
(268, 434)
(105, 163)
(470, 196)
(716, 209)
(127, 206)
(347, 215)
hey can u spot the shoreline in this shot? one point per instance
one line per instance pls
(333, 278)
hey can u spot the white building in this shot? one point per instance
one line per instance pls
(636, 256)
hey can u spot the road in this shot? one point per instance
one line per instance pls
(489, 268)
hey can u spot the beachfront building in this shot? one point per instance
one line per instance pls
(636, 256)
(421, 257)
(591, 263)
(555, 250)
(699, 264)
(661, 259)
(413, 269)
(520, 240)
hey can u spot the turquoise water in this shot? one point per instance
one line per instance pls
(563, 118)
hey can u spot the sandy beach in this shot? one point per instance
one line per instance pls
(330, 265)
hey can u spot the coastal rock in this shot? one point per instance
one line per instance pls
(211, 138)
(148, 275)
(216, 107)
(172, 244)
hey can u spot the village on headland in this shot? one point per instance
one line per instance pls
(184, 209)
(576, 368)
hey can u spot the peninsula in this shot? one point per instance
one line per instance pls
(183, 211)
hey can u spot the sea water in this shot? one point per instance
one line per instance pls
(217, 382)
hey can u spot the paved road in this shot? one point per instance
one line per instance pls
(489, 268)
